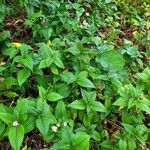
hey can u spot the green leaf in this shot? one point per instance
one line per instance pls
(11, 52)
(111, 60)
(45, 63)
(16, 136)
(131, 144)
(81, 141)
(61, 109)
(2, 69)
(137, 35)
(29, 124)
(54, 96)
(83, 81)
(24, 49)
(131, 102)
(2, 127)
(123, 102)
(68, 77)
(96, 135)
(54, 70)
(129, 128)
(10, 94)
(42, 92)
(132, 51)
(78, 104)
(23, 75)
(22, 109)
(122, 144)
(97, 106)
(7, 118)
(42, 124)
(58, 63)
(28, 62)
(143, 106)
(43, 107)
(107, 1)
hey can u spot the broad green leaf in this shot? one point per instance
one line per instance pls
(43, 107)
(42, 124)
(122, 144)
(131, 144)
(29, 124)
(2, 127)
(81, 141)
(85, 95)
(54, 70)
(54, 96)
(107, 1)
(132, 51)
(129, 128)
(61, 109)
(68, 77)
(70, 141)
(22, 109)
(23, 75)
(97, 106)
(83, 74)
(111, 60)
(16, 136)
(28, 62)
(131, 102)
(123, 102)
(7, 118)
(45, 63)
(2, 69)
(58, 63)
(96, 135)
(63, 89)
(84, 82)
(137, 35)
(106, 144)
(143, 106)
(78, 104)
(11, 52)
(24, 49)
(42, 92)
(10, 94)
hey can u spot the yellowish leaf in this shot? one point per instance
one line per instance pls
(16, 44)
(49, 43)
(148, 25)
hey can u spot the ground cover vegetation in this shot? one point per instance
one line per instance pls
(74, 74)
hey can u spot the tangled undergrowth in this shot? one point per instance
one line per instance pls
(75, 75)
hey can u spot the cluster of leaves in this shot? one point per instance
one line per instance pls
(72, 79)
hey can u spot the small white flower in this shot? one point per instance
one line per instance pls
(81, 26)
(1, 79)
(78, 19)
(98, 38)
(15, 123)
(85, 23)
(54, 128)
(2, 63)
(87, 14)
(58, 125)
(65, 124)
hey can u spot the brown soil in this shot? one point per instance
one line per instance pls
(17, 28)
(33, 140)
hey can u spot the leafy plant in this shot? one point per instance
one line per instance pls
(75, 74)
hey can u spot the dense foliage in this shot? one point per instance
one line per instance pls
(76, 72)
